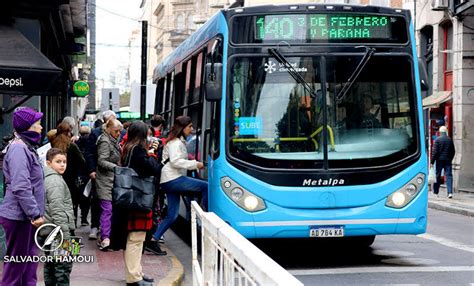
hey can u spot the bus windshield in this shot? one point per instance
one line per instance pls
(277, 123)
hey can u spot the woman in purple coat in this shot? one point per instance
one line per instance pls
(22, 209)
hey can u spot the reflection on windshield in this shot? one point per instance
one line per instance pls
(276, 121)
(276, 113)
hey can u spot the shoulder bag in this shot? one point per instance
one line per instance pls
(131, 191)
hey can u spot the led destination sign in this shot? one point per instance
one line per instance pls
(314, 27)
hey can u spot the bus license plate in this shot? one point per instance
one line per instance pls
(326, 231)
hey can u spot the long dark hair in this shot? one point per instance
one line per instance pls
(63, 137)
(137, 134)
(179, 124)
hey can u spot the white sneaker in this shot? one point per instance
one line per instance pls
(93, 233)
(104, 244)
(450, 196)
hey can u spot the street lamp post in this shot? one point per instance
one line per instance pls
(143, 70)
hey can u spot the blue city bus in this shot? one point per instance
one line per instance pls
(309, 118)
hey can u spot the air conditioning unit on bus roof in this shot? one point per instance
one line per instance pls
(439, 5)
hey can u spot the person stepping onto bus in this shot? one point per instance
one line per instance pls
(443, 154)
(174, 181)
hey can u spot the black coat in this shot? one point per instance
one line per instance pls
(75, 162)
(90, 153)
(145, 166)
(443, 150)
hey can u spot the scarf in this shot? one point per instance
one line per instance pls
(32, 137)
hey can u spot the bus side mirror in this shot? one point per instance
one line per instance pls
(423, 75)
(213, 81)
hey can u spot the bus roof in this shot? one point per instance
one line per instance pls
(313, 7)
(209, 30)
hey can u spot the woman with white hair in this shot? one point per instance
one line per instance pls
(108, 157)
(91, 162)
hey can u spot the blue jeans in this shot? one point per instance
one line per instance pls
(174, 189)
(448, 172)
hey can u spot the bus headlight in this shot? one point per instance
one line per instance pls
(241, 196)
(251, 202)
(236, 194)
(398, 199)
(407, 193)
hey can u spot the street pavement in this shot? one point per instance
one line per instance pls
(448, 218)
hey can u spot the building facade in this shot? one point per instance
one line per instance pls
(55, 34)
(445, 32)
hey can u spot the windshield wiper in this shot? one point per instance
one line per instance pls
(291, 70)
(350, 81)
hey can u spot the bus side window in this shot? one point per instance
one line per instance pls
(160, 93)
(179, 78)
(168, 101)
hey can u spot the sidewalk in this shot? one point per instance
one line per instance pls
(108, 268)
(462, 202)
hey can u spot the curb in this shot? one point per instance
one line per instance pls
(175, 276)
(450, 209)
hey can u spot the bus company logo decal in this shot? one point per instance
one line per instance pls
(323, 182)
(270, 67)
(11, 81)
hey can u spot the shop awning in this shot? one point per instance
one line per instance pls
(436, 99)
(24, 69)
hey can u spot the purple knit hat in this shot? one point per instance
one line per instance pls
(24, 117)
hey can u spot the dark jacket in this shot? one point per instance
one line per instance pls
(443, 149)
(90, 153)
(82, 144)
(75, 162)
(23, 174)
(145, 166)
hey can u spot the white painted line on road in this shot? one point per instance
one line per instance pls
(395, 269)
(447, 242)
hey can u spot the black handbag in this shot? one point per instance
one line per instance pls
(132, 191)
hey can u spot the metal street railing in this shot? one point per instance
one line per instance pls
(227, 258)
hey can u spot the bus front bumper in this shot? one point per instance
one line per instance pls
(375, 219)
